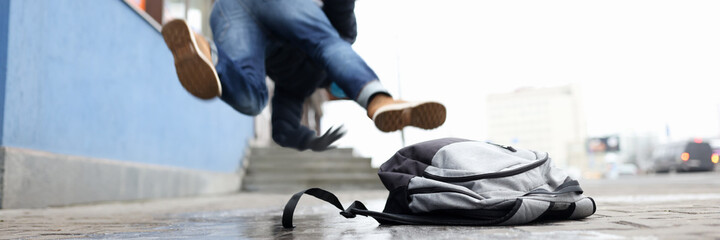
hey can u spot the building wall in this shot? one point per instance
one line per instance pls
(544, 119)
(90, 78)
(93, 79)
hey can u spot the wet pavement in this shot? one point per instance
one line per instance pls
(317, 223)
(680, 206)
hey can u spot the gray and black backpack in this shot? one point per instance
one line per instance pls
(454, 181)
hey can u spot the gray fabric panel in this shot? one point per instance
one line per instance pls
(419, 182)
(473, 158)
(448, 200)
(514, 186)
(421, 203)
(583, 208)
(480, 157)
(529, 211)
(544, 176)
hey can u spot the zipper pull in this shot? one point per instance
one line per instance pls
(509, 148)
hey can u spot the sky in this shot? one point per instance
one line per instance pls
(641, 65)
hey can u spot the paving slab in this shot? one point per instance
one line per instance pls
(683, 206)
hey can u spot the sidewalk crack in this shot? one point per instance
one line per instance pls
(637, 225)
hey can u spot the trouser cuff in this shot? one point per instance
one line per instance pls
(370, 89)
(213, 53)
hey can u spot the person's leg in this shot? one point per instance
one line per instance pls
(240, 43)
(303, 24)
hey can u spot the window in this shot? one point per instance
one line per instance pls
(195, 12)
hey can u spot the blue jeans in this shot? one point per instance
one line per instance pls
(245, 30)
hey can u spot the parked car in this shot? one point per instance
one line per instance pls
(694, 155)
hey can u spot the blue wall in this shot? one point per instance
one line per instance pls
(92, 78)
(4, 10)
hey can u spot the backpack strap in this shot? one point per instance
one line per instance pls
(358, 208)
(394, 219)
(315, 192)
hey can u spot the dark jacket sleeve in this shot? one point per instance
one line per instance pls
(341, 14)
(286, 114)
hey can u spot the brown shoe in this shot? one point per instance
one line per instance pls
(392, 115)
(192, 60)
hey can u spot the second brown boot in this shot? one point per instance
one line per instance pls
(391, 115)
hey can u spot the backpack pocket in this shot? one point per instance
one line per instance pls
(426, 195)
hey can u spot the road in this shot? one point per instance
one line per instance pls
(663, 206)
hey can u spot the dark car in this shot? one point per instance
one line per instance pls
(693, 155)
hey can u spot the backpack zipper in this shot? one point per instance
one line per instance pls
(437, 190)
(487, 175)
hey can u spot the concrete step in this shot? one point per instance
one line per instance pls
(314, 177)
(277, 169)
(307, 165)
(295, 186)
(279, 151)
(306, 160)
(305, 156)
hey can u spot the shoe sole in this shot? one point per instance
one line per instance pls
(425, 115)
(196, 73)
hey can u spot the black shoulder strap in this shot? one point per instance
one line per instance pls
(358, 208)
(315, 192)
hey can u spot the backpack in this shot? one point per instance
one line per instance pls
(453, 181)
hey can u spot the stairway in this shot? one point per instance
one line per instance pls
(277, 169)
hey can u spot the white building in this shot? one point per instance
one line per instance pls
(543, 119)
